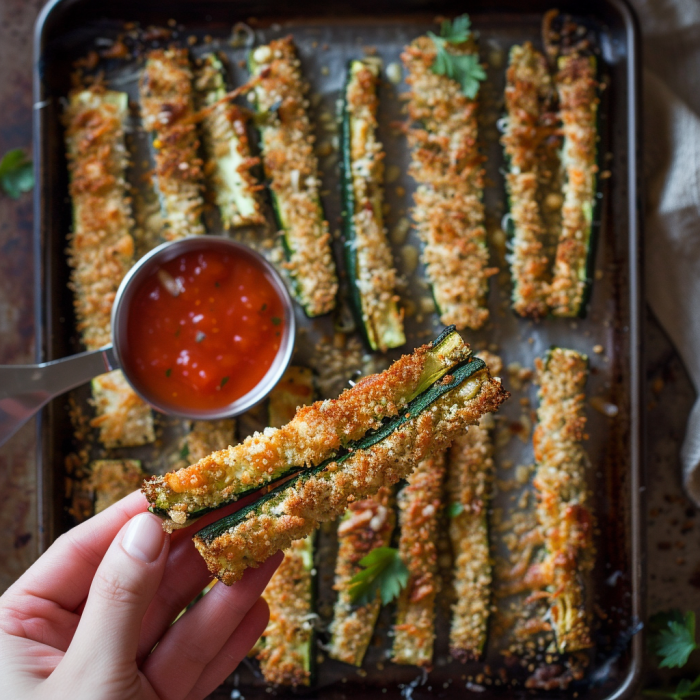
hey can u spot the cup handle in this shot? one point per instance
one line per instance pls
(25, 389)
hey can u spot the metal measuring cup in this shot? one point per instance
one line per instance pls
(25, 389)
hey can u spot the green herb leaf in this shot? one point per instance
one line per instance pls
(223, 382)
(456, 31)
(685, 689)
(276, 321)
(168, 372)
(263, 308)
(464, 68)
(200, 336)
(382, 572)
(455, 508)
(16, 173)
(185, 451)
(673, 637)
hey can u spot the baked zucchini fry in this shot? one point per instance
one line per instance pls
(207, 436)
(113, 479)
(291, 167)
(577, 89)
(563, 509)
(470, 472)
(101, 248)
(419, 510)
(317, 433)
(368, 260)
(229, 161)
(123, 419)
(447, 165)
(366, 524)
(286, 649)
(167, 106)
(295, 508)
(530, 131)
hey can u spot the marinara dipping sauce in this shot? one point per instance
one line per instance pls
(204, 328)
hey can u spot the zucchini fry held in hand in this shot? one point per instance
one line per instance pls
(531, 147)
(317, 433)
(291, 167)
(366, 525)
(229, 161)
(447, 165)
(286, 648)
(381, 458)
(419, 510)
(167, 106)
(367, 253)
(577, 90)
(470, 471)
(101, 248)
(563, 509)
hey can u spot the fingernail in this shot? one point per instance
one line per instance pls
(143, 538)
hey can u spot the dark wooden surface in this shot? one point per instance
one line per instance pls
(673, 525)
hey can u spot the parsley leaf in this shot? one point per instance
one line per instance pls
(673, 637)
(685, 689)
(456, 31)
(464, 68)
(383, 572)
(16, 173)
(185, 451)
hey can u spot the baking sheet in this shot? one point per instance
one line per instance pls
(325, 46)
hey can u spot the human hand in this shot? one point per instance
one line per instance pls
(83, 621)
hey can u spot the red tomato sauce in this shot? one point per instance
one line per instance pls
(204, 329)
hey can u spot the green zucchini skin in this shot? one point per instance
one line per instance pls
(378, 317)
(291, 168)
(575, 257)
(419, 404)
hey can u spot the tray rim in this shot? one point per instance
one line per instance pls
(638, 553)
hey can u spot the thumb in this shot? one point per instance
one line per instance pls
(107, 636)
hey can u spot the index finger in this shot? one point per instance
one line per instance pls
(63, 574)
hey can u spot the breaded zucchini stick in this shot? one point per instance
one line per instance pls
(366, 524)
(470, 472)
(291, 167)
(419, 510)
(167, 106)
(229, 161)
(123, 419)
(368, 259)
(316, 433)
(286, 649)
(113, 479)
(530, 128)
(207, 436)
(577, 89)
(563, 508)
(294, 509)
(447, 165)
(101, 248)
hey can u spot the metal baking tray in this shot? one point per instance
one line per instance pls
(328, 34)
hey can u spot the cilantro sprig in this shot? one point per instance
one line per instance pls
(672, 637)
(382, 572)
(464, 68)
(16, 173)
